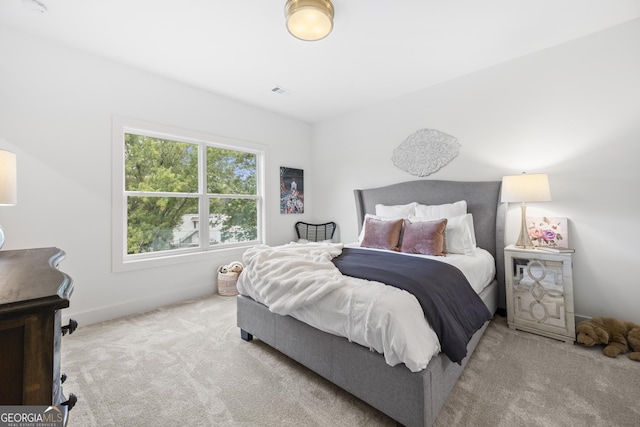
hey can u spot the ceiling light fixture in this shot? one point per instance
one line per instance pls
(35, 5)
(309, 20)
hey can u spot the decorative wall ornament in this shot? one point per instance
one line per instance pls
(425, 152)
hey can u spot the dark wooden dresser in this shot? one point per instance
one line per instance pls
(33, 293)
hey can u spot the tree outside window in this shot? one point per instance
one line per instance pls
(172, 187)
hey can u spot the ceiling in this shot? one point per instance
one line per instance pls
(377, 50)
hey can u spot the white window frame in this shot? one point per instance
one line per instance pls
(121, 260)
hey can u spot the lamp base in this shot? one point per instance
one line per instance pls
(524, 241)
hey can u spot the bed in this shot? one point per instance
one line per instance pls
(410, 398)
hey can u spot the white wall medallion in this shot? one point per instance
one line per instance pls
(425, 152)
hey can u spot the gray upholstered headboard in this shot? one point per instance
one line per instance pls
(483, 202)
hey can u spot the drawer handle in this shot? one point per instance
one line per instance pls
(73, 399)
(71, 327)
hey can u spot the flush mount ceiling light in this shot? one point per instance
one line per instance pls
(309, 20)
(34, 5)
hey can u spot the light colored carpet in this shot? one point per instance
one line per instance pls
(185, 365)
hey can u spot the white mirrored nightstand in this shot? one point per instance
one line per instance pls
(540, 292)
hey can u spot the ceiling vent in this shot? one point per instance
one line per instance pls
(281, 91)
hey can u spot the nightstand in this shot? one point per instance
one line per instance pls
(540, 292)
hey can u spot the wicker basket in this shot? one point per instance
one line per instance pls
(227, 284)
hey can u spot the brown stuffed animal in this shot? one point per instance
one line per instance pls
(616, 334)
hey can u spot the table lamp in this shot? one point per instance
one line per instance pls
(525, 188)
(8, 183)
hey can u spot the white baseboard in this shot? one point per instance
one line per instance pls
(138, 306)
(580, 318)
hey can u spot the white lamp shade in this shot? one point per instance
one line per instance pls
(309, 20)
(8, 179)
(526, 188)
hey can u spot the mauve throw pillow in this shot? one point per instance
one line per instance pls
(382, 234)
(424, 237)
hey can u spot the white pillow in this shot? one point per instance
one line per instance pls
(397, 211)
(459, 235)
(447, 210)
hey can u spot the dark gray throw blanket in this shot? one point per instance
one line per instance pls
(453, 309)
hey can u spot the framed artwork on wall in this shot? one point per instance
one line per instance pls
(548, 232)
(291, 190)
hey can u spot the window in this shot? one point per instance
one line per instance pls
(178, 193)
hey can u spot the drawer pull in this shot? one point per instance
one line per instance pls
(73, 399)
(71, 327)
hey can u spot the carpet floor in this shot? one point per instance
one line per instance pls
(185, 365)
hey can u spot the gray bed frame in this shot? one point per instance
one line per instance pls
(410, 398)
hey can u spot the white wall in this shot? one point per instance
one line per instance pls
(56, 108)
(572, 111)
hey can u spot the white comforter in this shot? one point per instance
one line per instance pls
(301, 281)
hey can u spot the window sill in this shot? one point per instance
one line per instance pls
(120, 266)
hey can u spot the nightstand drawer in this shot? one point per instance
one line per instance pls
(547, 308)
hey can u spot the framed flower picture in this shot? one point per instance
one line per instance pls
(548, 232)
